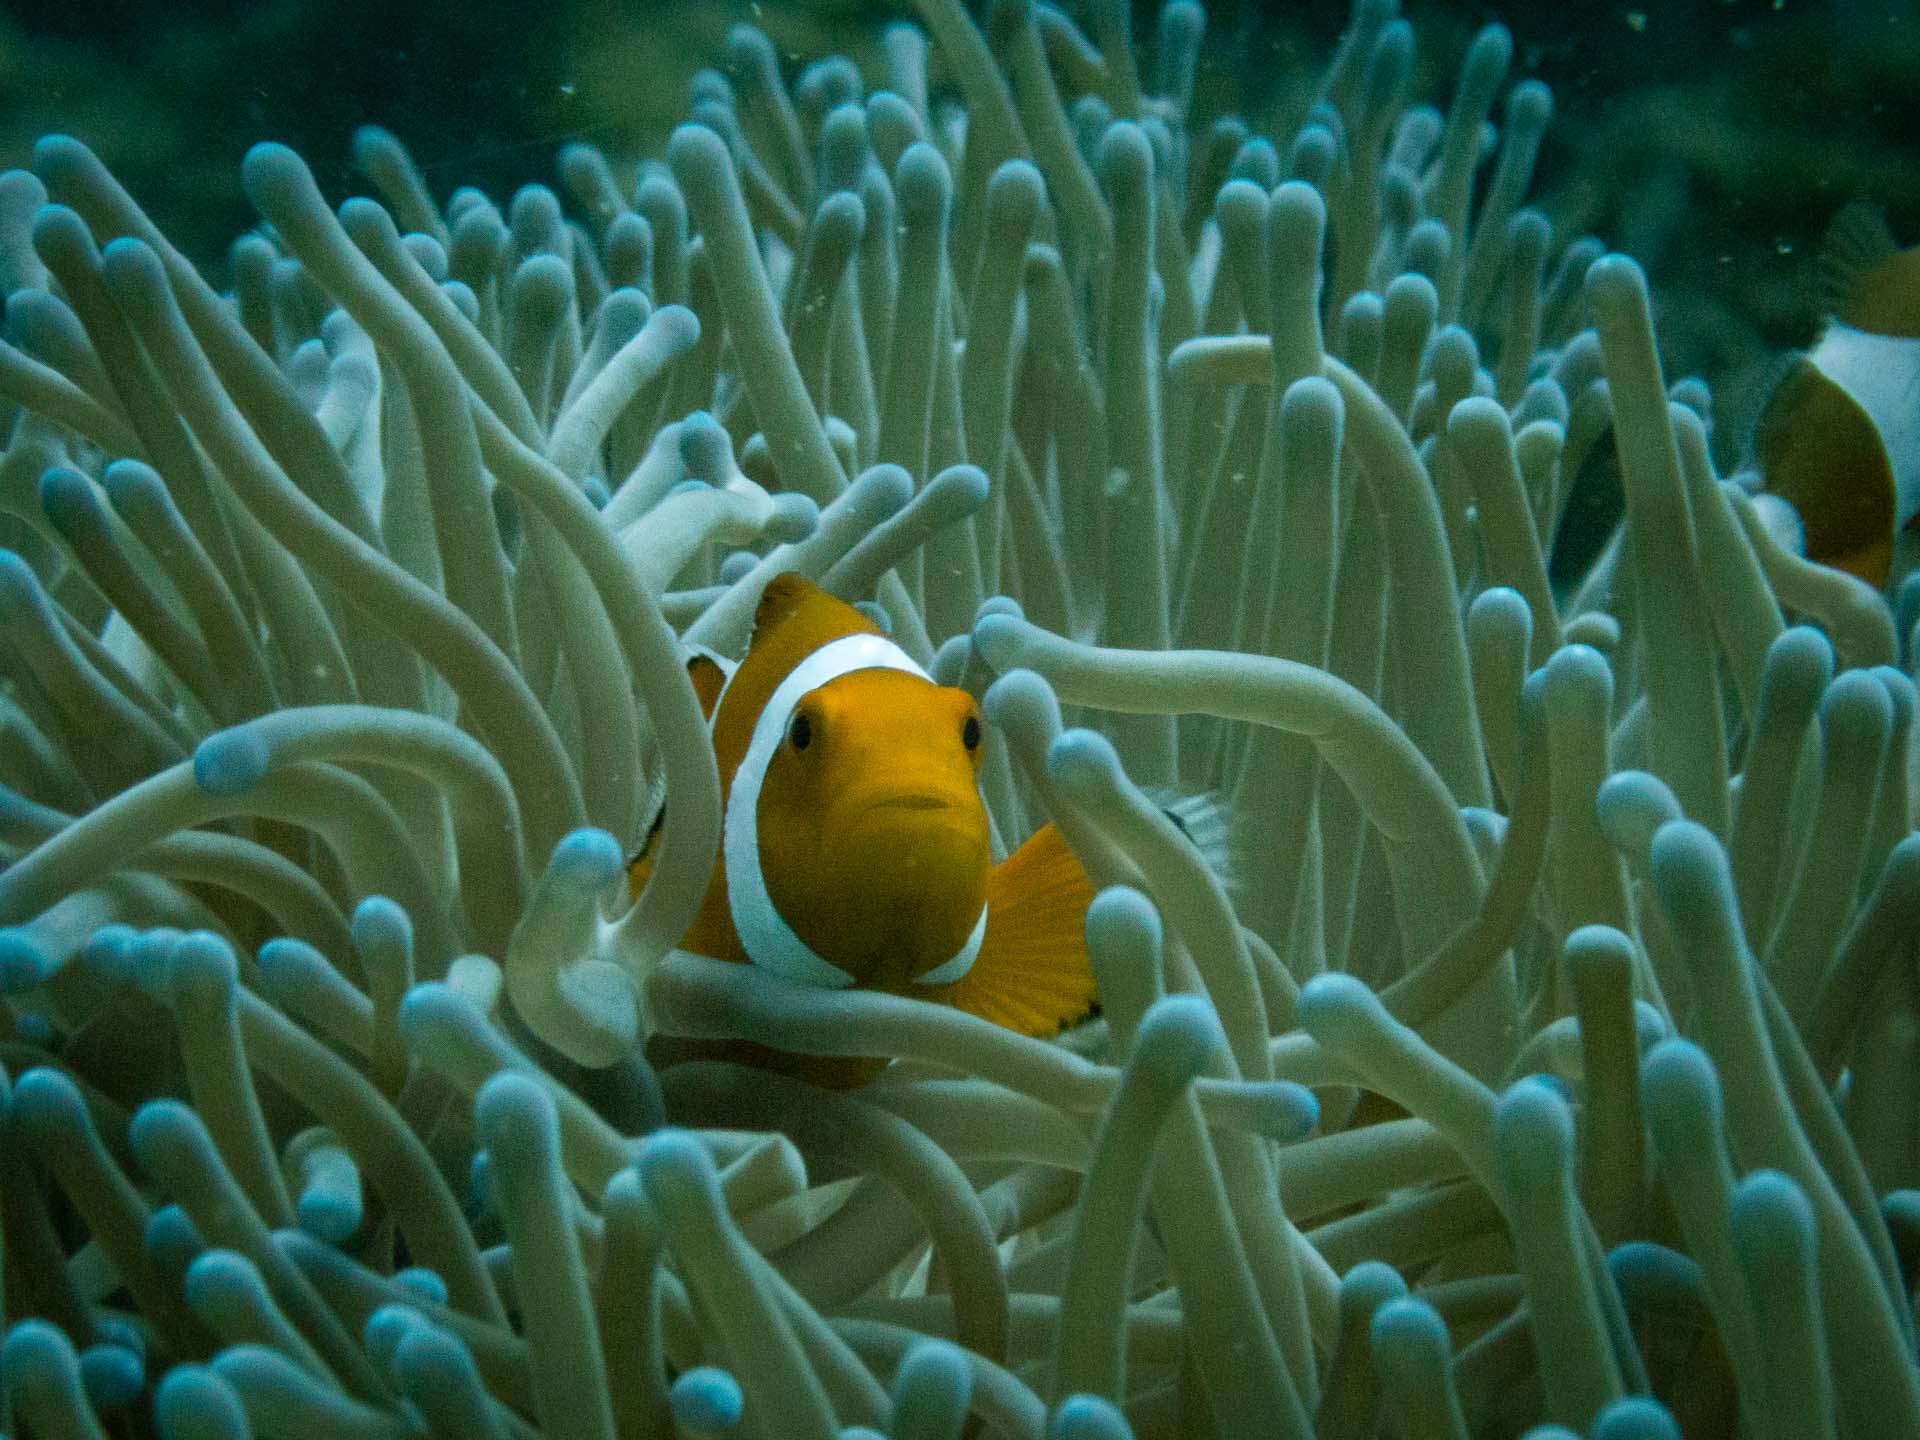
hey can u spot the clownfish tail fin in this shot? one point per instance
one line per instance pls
(1857, 241)
(1032, 974)
(1855, 246)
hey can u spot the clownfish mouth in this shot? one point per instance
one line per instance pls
(909, 802)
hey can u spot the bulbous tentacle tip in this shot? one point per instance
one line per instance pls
(1631, 806)
(1679, 1082)
(1016, 693)
(1488, 55)
(1856, 711)
(996, 637)
(1616, 284)
(47, 1107)
(1530, 105)
(203, 970)
(1533, 1133)
(111, 1376)
(514, 1118)
(61, 238)
(697, 153)
(1369, 1285)
(1179, 1035)
(373, 144)
(1120, 912)
(68, 498)
(328, 1218)
(428, 1360)
(108, 953)
(1334, 997)
(1408, 1329)
(706, 1401)
(1083, 762)
(1240, 206)
(221, 1277)
(677, 327)
(1635, 1417)
(1124, 159)
(922, 185)
(1691, 877)
(134, 277)
(1016, 192)
(1501, 606)
(380, 921)
(1296, 210)
(368, 221)
(231, 762)
(1479, 419)
(1771, 1219)
(19, 586)
(134, 485)
(168, 1138)
(1599, 948)
(541, 289)
(38, 1364)
(586, 858)
(61, 158)
(274, 177)
(1088, 1417)
(24, 963)
(675, 1169)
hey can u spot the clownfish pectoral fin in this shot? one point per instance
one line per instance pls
(1032, 974)
(1207, 822)
(709, 676)
(641, 866)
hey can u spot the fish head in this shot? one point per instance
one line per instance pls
(873, 837)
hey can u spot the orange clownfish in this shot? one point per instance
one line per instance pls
(1839, 436)
(854, 844)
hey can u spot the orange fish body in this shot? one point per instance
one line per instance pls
(855, 849)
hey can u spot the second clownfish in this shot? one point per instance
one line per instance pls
(1839, 436)
(855, 848)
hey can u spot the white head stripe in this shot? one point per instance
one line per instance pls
(764, 933)
(949, 971)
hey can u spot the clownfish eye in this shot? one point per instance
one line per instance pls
(970, 733)
(800, 732)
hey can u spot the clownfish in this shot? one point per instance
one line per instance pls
(1839, 436)
(854, 843)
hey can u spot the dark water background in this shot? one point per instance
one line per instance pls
(1714, 139)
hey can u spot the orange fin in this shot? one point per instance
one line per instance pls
(1032, 974)
(708, 681)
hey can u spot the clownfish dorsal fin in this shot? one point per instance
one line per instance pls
(1866, 280)
(1032, 973)
(794, 618)
(1821, 452)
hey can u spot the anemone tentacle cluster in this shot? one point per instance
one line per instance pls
(1544, 1053)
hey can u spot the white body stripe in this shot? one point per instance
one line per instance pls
(764, 933)
(1882, 374)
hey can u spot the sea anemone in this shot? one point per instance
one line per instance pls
(1542, 1051)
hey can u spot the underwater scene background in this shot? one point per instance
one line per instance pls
(1412, 507)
